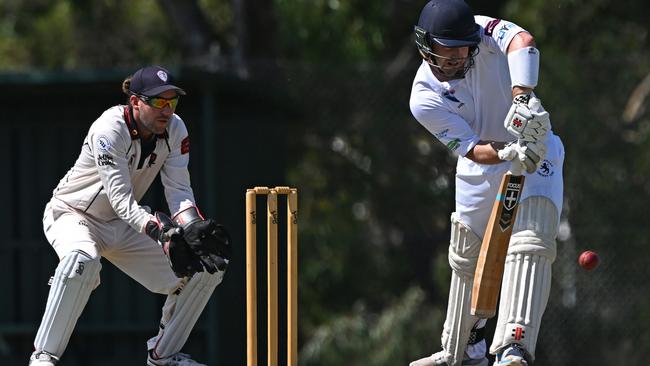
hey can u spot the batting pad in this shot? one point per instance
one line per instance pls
(527, 275)
(76, 276)
(180, 313)
(464, 248)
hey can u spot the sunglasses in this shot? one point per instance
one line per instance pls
(159, 102)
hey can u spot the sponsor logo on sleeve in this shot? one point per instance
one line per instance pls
(504, 29)
(489, 28)
(103, 143)
(105, 159)
(453, 145)
(185, 145)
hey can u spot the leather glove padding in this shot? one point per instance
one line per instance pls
(169, 235)
(210, 242)
(183, 261)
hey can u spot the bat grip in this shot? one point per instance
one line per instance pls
(516, 167)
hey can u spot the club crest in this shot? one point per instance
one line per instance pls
(162, 75)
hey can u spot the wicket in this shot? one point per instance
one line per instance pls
(272, 274)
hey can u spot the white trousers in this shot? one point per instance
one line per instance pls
(134, 253)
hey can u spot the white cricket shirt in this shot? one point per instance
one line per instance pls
(110, 175)
(461, 112)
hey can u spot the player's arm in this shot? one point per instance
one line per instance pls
(522, 40)
(526, 120)
(486, 152)
(491, 152)
(205, 238)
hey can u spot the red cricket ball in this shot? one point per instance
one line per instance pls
(588, 260)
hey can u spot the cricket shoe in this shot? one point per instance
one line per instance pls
(438, 359)
(42, 358)
(178, 359)
(514, 355)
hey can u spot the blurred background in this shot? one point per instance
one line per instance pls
(314, 94)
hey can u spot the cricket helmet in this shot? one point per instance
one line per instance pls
(448, 23)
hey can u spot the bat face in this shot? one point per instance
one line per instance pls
(491, 260)
(510, 200)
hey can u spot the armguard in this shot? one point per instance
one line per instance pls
(524, 67)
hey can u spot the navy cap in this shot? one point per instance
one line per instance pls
(450, 23)
(153, 80)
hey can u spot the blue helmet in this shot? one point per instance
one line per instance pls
(448, 23)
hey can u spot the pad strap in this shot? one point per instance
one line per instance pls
(476, 335)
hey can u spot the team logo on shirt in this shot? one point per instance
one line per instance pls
(449, 94)
(441, 134)
(546, 169)
(102, 143)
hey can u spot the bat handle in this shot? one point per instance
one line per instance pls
(516, 167)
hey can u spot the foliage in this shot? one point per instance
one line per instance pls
(362, 338)
(69, 34)
(377, 190)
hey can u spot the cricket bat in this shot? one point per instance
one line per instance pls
(491, 260)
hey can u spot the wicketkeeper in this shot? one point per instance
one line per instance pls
(94, 213)
(474, 93)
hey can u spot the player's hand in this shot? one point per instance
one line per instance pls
(529, 154)
(526, 120)
(210, 242)
(170, 237)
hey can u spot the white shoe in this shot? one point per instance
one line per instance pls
(178, 359)
(438, 359)
(514, 355)
(42, 358)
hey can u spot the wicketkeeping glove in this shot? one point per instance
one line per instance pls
(210, 242)
(182, 260)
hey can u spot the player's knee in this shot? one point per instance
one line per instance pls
(80, 267)
(464, 247)
(536, 228)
